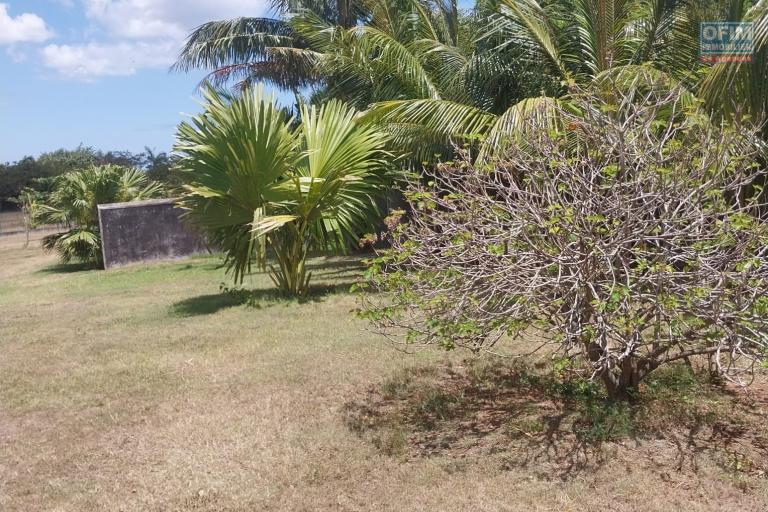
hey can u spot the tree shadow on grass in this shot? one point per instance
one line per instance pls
(553, 428)
(462, 413)
(212, 303)
(199, 266)
(338, 264)
(67, 268)
(209, 304)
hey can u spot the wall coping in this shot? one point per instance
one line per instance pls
(135, 204)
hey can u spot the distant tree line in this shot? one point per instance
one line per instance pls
(33, 173)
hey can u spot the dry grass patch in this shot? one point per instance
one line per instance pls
(154, 389)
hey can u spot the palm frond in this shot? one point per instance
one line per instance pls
(396, 58)
(436, 116)
(539, 114)
(285, 68)
(243, 50)
(737, 87)
(220, 43)
(74, 202)
(252, 182)
(342, 168)
(528, 23)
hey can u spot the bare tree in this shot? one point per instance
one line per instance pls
(629, 239)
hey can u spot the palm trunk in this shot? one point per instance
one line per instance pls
(291, 274)
(343, 8)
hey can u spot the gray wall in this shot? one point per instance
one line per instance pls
(142, 231)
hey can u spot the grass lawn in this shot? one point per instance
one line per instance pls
(150, 389)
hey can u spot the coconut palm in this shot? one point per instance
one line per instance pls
(436, 76)
(742, 88)
(247, 50)
(396, 49)
(74, 202)
(244, 50)
(565, 42)
(421, 54)
(252, 182)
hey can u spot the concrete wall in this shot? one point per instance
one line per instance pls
(142, 231)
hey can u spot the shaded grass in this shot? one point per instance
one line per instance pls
(67, 268)
(211, 303)
(530, 417)
(231, 297)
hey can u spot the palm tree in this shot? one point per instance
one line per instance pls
(561, 43)
(437, 76)
(421, 55)
(252, 182)
(396, 49)
(742, 88)
(247, 50)
(244, 50)
(74, 202)
(158, 167)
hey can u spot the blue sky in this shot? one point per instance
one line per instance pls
(96, 71)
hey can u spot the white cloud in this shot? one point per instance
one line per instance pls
(139, 34)
(92, 60)
(165, 18)
(24, 28)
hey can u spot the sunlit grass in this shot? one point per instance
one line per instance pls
(165, 388)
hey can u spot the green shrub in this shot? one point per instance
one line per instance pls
(73, 202)
(626, 240)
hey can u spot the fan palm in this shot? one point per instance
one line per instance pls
(74, 202)
(252, 182)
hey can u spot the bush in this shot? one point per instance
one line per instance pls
(628, 239)
(74, 202)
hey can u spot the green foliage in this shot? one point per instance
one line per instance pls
(37, 175)
(238, 50)
(158, 167)
(253, 182)
(447, 407)
(434, 405)
(62, 161)
(737, 88)
(73, 203)
(624, 238)
(438, 76)
(603, 421)
(15, 177)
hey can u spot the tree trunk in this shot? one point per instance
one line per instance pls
(624, 385)
(343, 8)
